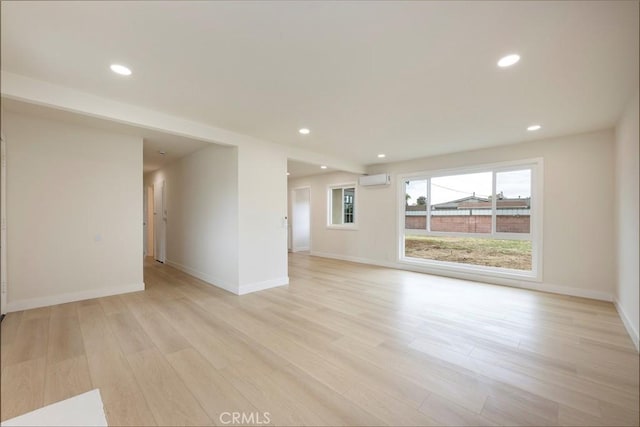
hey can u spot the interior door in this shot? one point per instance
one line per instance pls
(301, 220)
(159, 221)
(145, 224)
(149, 219)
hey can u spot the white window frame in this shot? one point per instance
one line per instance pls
(348, 226)
(535, 235)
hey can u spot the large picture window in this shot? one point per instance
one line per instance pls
(484, 219)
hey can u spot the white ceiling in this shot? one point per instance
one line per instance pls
(174, 146)
(298, 169)
(408, 79)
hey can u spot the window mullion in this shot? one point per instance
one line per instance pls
(342, 211)
(494, 203)
(428, 221)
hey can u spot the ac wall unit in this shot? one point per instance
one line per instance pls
(378, 179)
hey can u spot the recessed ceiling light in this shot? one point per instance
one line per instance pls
(323, 167)
(533, 127)
(508, 60)
(304, 131)
(288, 173)
(382, 156)
(120, 69)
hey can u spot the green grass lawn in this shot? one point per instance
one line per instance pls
(514, 254)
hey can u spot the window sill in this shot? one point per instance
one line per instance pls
(437, 267)
(342, 227)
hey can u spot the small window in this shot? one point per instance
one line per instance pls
(342, 205)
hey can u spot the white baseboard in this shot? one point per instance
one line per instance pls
(27, 304)
(535, 286)
(357, 259)
(260, 286)
(300, 249)
(238, 290)
(567, 290)
(631, 330)
(214, 281)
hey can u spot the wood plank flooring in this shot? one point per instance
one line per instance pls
(343, 344)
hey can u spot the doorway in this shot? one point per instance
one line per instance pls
(301, 219)
(159, 222)
(148, 222)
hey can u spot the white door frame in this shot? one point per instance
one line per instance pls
(3, 225)
(294, 219)
(145, 225)
(149, 219)
(160, 221)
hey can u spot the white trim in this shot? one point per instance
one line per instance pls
(536, 216)
(494, 203)
(358, 260)
(568, 290)
(213, 281)
(445, 268)
(507, 166)
(342, 227)
(237, 290)
(27, 304)
(145, 224)
(301, 249)
(160, 220)
(492, 280)
(260, 286)
(401, 214)
(631, 330)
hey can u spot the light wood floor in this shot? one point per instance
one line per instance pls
(344, 344)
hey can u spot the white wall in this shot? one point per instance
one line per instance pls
(225, 216)
(578, 256)
(628, 212)
(262, 183)
(202, 214)
(74, 199)
(360, 243)
(262, 233)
